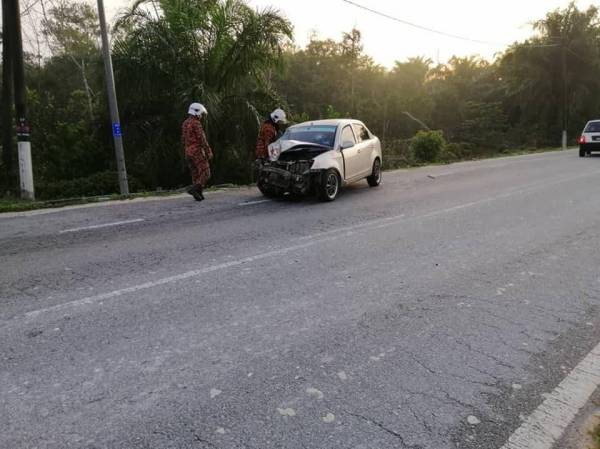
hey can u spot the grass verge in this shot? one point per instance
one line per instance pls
(596, 436)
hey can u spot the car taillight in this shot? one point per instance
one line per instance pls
(582, 139)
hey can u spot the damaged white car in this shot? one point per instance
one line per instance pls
(320, 157)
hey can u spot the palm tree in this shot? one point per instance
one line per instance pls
(220, 52)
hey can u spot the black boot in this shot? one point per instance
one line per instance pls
(192, 190)
(196, 192)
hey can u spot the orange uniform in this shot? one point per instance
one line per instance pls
(197, 150)
(267, 135)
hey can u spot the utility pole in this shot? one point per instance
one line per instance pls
(112, 103)
(24, 145)
(7, 93)
(565, 97)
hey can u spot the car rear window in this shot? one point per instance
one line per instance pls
(592, 127)
(320, 134)
(361, 132)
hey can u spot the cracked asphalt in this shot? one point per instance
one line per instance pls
(390, 318)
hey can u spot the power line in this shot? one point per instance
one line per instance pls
(443, 33)
(420, 27)
(29, 7)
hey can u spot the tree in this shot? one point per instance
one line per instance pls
(540, 96)
(72, 30)
(242, 63)
(220, 52)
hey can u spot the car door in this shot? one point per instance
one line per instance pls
(350, 152)
(366, 147)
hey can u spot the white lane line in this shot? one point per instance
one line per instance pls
(315, 239)
(167, 280)
(547, 423)
(251, 203)
(105, 225)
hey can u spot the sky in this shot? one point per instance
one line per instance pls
(497, 22)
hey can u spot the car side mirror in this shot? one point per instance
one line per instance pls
(347, 144)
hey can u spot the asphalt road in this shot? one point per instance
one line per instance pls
(432, 312)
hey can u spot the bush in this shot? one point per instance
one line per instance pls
(397, 154)
(427, 146)
(102, 183)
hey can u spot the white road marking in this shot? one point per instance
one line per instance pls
(164, 281)
(314, 240)
(547, 423)
(100, 226)
(252, 203)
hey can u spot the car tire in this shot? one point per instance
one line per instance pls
(330, 186)
(267, 191)
(375, 179)
(581, 153)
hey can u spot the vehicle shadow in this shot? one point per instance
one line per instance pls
(347, 193)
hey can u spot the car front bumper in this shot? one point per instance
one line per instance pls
(287, 177)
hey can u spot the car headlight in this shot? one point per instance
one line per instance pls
(274, 151)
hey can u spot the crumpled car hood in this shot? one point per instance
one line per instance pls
(290, 150)
(288, 144)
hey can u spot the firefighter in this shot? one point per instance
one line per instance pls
(269, 133)
(197, 150)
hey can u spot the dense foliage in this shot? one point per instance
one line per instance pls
(241, 63)
(427, 146)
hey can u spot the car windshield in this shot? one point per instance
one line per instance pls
(318, 134)
(593, 127)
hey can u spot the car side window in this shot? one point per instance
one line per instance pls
(348, 135)
(361, 132)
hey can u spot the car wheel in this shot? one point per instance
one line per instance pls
(267, 191)
(375, 179)
(581, 153)
(330, 186)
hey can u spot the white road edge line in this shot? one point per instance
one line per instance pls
(546, 425)
(105, 225)
(315, 239)
(251, 203)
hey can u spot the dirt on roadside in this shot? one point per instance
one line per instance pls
(584, 432)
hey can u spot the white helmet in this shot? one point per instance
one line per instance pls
(197, 109)
(278, 116)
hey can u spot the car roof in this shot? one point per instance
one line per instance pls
(594, 121)
(329, 122)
